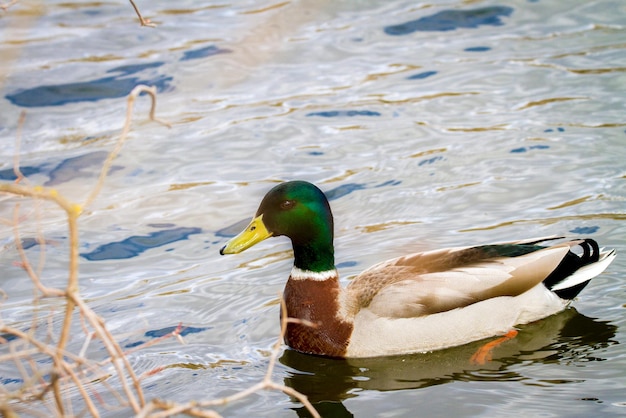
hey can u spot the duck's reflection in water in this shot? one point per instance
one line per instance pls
(567, 336)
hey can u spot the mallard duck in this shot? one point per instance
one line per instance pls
(414, 303)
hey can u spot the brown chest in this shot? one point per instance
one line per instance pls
(316, 301)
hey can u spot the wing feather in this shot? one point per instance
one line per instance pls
(441, 280)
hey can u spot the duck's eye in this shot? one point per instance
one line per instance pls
(287, 204)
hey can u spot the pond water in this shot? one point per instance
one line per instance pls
(428, 124)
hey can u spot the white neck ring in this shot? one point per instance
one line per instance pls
(299, 274)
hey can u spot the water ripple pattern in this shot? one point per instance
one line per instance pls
(427, 125)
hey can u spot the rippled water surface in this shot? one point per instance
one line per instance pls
(428, 124)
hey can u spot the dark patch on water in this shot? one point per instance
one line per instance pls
(429, 161)
(8, 337)
(389, 183)
(90, 91)
(343, 190)
(348, 188)
(207, 51)
(10, 380)
(344, 113)
(585, 230)
(234, 229)
(9, 173)
(421, 76)
(346, 264)
(168, 330)
(477, 49)
(68, 169)
(134, 68)
(447, 20)
(525, 149)
(158, 333)
(74, 167)
(161, 225)
(29, 243)
(137, 244)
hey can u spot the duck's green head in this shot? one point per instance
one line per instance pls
(300, 211)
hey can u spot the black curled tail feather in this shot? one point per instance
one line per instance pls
(591, 251)
(568, 266)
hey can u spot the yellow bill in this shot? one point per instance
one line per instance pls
(254, 233)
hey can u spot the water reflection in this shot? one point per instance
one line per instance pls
(447, 20)
(66, 170)
(116, 86)
(136, 244)
(565, 337)
(90, 91)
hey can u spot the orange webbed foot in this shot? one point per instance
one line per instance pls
(484, 353)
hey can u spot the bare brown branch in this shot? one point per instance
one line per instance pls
(170, 409)
(53, 390)
(18, 140)
(63, 372)
(144, 22)
(124, 135)
(5, 6)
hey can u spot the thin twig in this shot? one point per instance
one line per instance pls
(124, 135)
(169, 409)
(73, 299)
(116, 354)
(80, 386)
(5, 6)
(34, 277)
(144, 22)
(175, 333)
(18, 140)
(73, 370)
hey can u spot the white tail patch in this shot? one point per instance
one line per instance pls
(587, 272)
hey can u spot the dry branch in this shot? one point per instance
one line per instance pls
(74, 370)
(198, 408)
(5, 6)
(144, 22)
(62, 372)
(124, 135)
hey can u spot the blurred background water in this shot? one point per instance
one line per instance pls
(428, 124)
